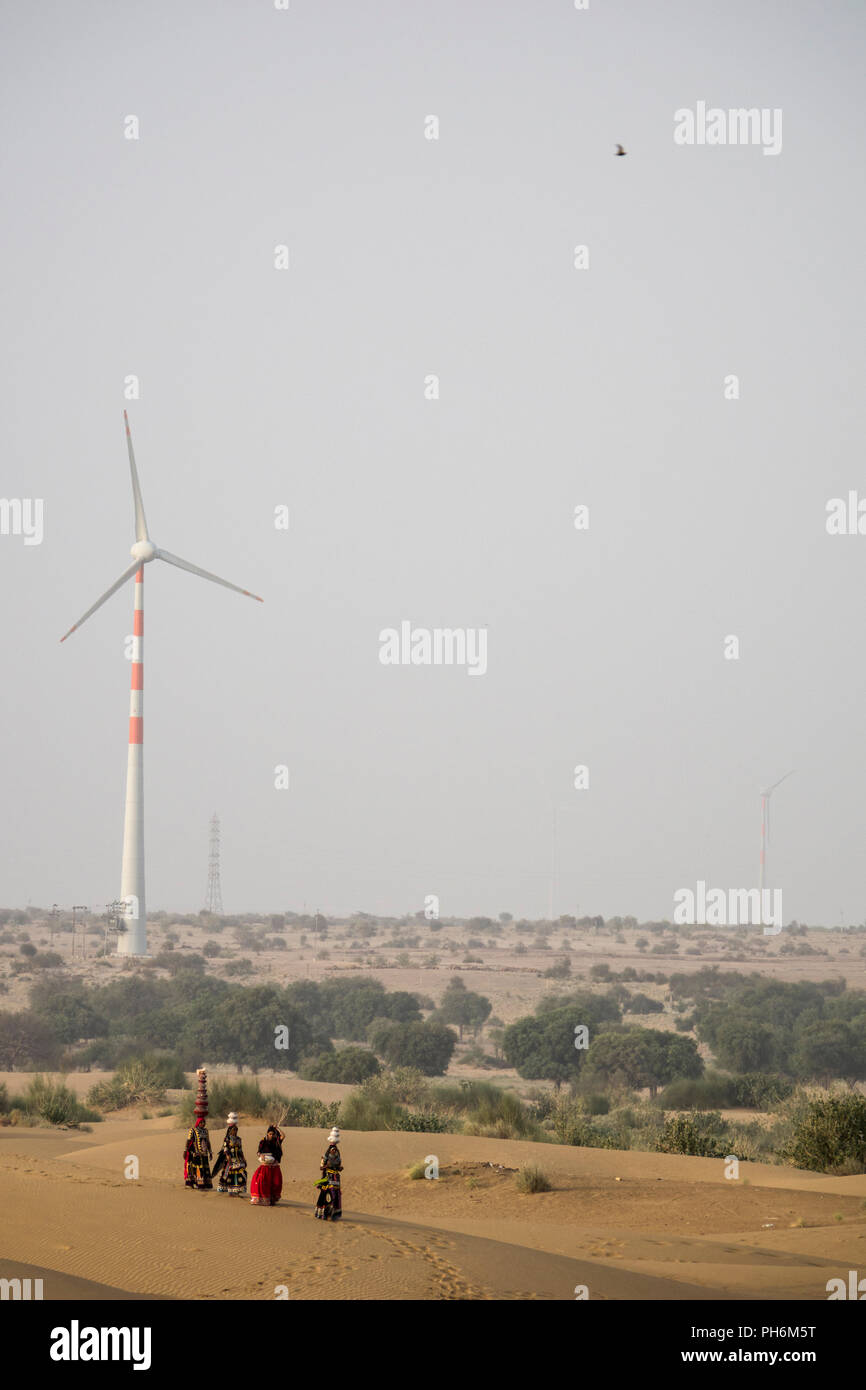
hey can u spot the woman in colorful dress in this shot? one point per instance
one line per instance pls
(197, 1156)
(267, 1184)
(329, 1205)
(231, 1164)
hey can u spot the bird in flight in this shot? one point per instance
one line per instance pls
(620, 150)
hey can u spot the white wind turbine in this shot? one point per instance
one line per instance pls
(765, 825)
(133, 941)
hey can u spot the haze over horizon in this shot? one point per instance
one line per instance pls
(305, 388)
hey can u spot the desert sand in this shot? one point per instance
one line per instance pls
(627, 1225)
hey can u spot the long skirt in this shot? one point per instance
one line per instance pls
(233, 1180)
(197, 1172)
(329, 1205)
(267, 1185)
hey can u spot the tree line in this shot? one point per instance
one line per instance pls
(194, 1015)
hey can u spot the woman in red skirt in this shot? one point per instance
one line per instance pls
(267, 1184)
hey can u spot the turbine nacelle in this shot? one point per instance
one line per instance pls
(144, 551)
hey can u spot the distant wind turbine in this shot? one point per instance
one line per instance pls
(765, 823)
(133, 941)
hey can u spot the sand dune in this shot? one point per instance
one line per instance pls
(63, 1286)
(626, 1225)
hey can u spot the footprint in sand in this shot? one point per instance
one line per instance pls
(450, 1283)
(607, 1251)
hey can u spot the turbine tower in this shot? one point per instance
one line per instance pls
(133, 941)
(765, 824)
(214, 898)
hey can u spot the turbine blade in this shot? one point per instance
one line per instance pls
(140, 521)
(127, 574)
(781, 780)
(204, 574)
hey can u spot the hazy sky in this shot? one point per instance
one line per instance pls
(306, 387)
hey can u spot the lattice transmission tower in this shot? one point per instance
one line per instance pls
(214, 897)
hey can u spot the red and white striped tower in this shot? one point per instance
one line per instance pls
(133, 942)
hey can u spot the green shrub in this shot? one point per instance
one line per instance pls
(753, 1091)
(489, 1109)
(348, 1066)
(758, 1090)
(543, 1103)
(696, 1134)
(243, 966)
(571, 1124)
(636, 1126)
(579, 1132)
(168, 1069)
(712, 1091)
(406, 1085)
(830, 1135)
(497, 1114)
(596, 1104)
(531, 1179)
(560, 971)
(381, 1103)
(138, 1080)
(421, 1122)
(178, 962)
(53, 1103)
(86, 1114)
(751, 1140)
(47, 960)
(305, 1112)
(642, 1004)
(108, 1095)
(364, 1110)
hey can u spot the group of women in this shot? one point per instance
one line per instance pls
(267, 1181)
